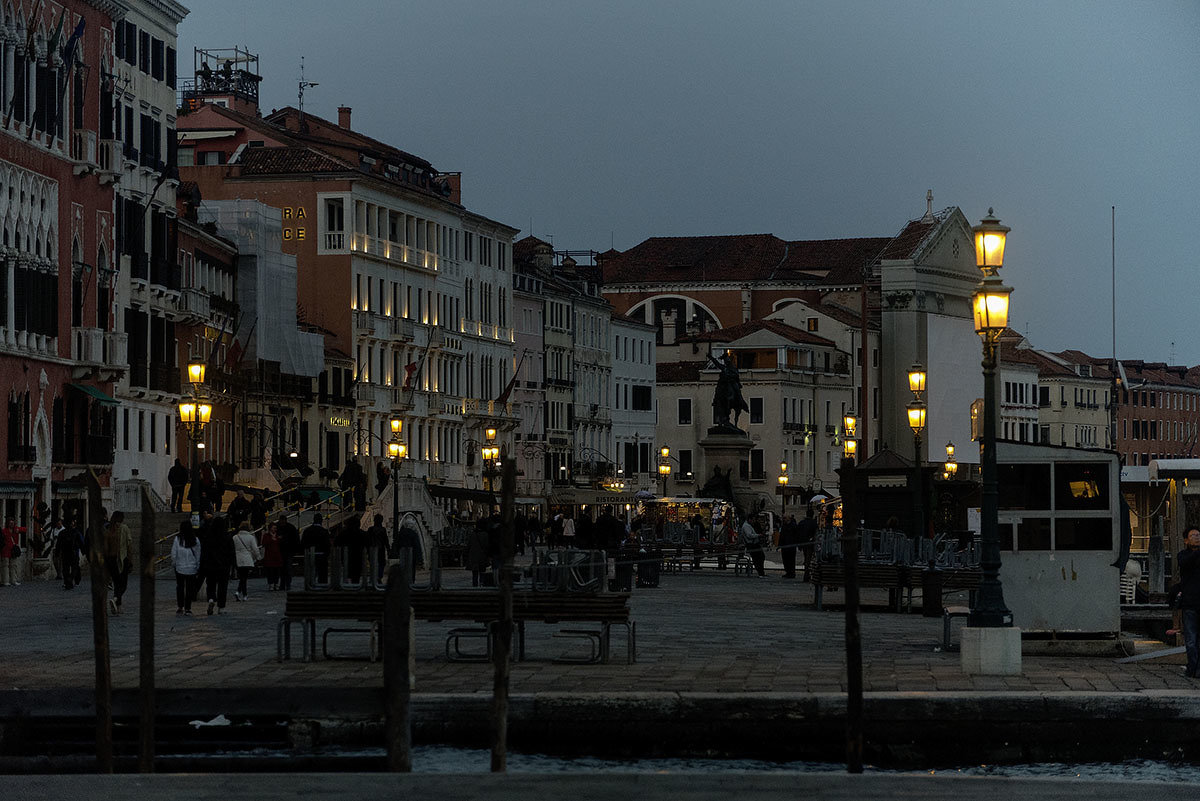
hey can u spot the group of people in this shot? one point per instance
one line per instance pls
(227, 545)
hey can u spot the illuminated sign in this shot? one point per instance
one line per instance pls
(297, 231)
(339, 422)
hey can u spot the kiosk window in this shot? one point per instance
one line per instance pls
(1080, 486)
(1083, 534)
(1033, 534)
(1024, 486)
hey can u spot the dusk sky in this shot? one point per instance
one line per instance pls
(604, 123)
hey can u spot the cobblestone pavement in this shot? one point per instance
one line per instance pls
(708, 631)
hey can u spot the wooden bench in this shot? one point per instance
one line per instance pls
(479, 606)
(893, 578)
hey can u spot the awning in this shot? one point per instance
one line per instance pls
(1174, 468)
(461, 493)
(88, 389)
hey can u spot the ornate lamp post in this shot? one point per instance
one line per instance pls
(664, 466)
(194, 414)
(397, 450)
(783, 483)
(991, 318)
(490, 453)
(951, 468)
(916, 421)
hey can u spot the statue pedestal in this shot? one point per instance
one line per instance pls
(725, 449)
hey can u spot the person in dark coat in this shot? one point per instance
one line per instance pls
(258, 511)
(177, 477)
(408, 537)
(789, 540)
(808, 540)
(70, 541)
(352, 538)
(289, 546)
(317, 537)
(477, 553)
(216, 560)
(1189, 602)
(239, 507)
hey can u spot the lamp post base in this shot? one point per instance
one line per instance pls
(994, 651)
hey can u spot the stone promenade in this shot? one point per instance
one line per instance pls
(710, 631)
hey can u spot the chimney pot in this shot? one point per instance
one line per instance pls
(344, 117)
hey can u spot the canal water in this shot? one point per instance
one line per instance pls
(446, 759)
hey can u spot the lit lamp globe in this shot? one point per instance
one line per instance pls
(916, 417)
(850, 448)
(397, 426)
(196, 372)
(850, 424)
(990, 236)
(664, 469)
(916, 380)
(991, 306)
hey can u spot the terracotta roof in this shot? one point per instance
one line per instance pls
(840, 260)
(338, 135)
(736, 332)
(285, 160)
(704, 258)
(678, 372)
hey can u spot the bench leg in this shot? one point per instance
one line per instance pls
(283, 640)
(818, 595)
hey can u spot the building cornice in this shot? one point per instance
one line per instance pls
(116, 9)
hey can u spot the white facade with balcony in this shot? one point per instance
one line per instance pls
(432, 313)
(634, 407)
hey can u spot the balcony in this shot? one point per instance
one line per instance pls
(83, 151)
(474, 407)
(116, 349)
(364, 323)
(403, 328)
(87, 345)
(109, 159)
(195, 303)
(221, 305)
(139, 373)
(335, 240)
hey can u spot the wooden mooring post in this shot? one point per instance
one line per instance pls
(397, 674)
(146, 700)
(99, 578)
(504, 627)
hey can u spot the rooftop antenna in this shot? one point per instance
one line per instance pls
(304, 85)
(1172, 359)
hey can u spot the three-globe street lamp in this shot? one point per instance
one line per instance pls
(195, 413)
(664, 467)
(916, 421)
(991, 318)
(783, 482)
(951, 468)
(491, 455)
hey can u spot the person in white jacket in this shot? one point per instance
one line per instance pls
(185, 556)
(247, 552)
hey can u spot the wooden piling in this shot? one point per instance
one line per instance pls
(854, 675)
(397, 642)
(146, 699)
(504, 626)
(99, 579)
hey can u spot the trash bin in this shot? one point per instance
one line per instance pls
(931, 592)
(649, 567)
(624, 570)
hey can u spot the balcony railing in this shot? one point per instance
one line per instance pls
(116, 348)
(108, 154)
(87, 345)
(83, 147)
(195, 302)
(488, 408)
(335, 240)
(403, 328)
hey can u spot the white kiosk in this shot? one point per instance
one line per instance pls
(1059, 537)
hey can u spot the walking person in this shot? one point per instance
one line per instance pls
(789, 540)
(177, 477)
(568, 532)
(808, 540)
(118, 557)
(66, 550)
(10, 553)
(477, 559)
(351, 538)
(289, 546)
(377, 546)
(316, 537)
(50, 546)
(752, 539)
(185, 556)
(246, 553)
(1189, 603)
(272, 558)
(216, 560)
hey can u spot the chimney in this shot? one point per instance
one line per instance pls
(344, 117)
